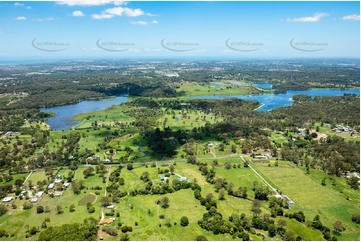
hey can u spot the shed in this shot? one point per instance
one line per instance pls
(8, 199)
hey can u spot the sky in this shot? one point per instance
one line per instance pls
(103, 28)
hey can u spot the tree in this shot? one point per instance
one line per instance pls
(33, 230)
(209, 197)
(39, 209)
(355, 218)
(88, 172)
(282, 223)
(27, 205)
(256, 207)
(184, 221)
(145, 176)
(3, 209)
(222, 193)
(353, 182)
(130, 167)
(164, 202)
(289, 236)
(59, 209)
(171, 169)
(316, 223)
(72, 208)
(234, 149)
(338, 227)
(272, 230)
(201, 238)
(105, 201)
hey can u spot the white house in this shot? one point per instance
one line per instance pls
(34, 199)
(51, 185)
(8, 199)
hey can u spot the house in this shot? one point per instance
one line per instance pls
(57, 181)
(10, 133)
(34, 199)
(92, 158)
(51, 185)
(8, 199)
(106, 160)
(110, 207)
(107, 221)
(260, 157)
(57, 194)
(66, 184)
(181, 179)
(288, 200)
(39, 194)
(210, 144)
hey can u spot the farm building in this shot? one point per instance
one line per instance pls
(66, 184)
(51, 185)
(57, 194)
(106, 221)
(181, 179)
(57, 181)
(39, 194)
(8, 199)
(34, 199)
(110, 207)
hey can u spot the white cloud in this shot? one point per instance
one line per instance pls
(118, 11)
(315, 18)
(77, 13)
(352, 17)
(43, 19)
(19, 4)
(28, 7)
(133, 12)
(102, 16)
(21, 18)
(144, 22)
(91, 2)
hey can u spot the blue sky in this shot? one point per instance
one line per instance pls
(95, 28)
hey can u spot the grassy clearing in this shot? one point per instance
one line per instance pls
(215, 88)
(187, 120)
(146, 212)
(305, 192)
(113, 116)
(90, 198)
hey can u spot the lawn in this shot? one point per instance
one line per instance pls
(146, 212)
(215, 88)
(113, 116)
(306, 193)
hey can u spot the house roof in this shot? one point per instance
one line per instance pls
(106, 221)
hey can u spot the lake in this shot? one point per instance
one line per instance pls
(264, 85)
(271, 101)
(64, 114)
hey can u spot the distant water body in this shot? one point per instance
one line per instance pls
(64, 114)
(264, 85)
(271, 101)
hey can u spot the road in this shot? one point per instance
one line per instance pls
(272, 188)
(105, 190)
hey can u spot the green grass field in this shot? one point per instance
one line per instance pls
(215, 88)
(311, 197)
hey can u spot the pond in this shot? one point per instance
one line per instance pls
(271, 100)
(64, 114)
